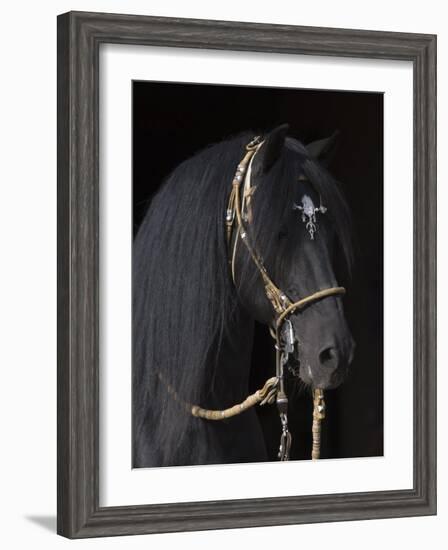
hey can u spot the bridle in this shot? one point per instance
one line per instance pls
(238, 213)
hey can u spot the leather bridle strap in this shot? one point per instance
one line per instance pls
(281, 303)
(278, 299)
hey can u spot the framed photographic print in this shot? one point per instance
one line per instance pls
(246, 274)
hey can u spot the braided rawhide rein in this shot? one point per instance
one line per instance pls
(318, 416)
(266, 395)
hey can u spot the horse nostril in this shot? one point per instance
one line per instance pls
(328, 357)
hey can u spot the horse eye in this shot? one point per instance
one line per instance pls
(282, 234)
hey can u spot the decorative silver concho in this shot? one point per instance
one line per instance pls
(309, 212)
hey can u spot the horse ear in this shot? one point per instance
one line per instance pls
(323, 149)
(272, 147)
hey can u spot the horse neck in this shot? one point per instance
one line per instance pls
(233, 366)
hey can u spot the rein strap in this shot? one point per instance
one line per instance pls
(265, 395)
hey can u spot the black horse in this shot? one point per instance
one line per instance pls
(193, 325)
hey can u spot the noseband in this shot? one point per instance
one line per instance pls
(238, 213)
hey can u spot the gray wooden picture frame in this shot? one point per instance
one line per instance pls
(79, 38)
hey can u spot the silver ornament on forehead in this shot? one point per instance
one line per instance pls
(309, 211)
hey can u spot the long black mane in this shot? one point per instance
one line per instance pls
(184, 302)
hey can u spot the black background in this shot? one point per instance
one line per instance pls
(172, 121)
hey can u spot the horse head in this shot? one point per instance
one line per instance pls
(297, 222)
